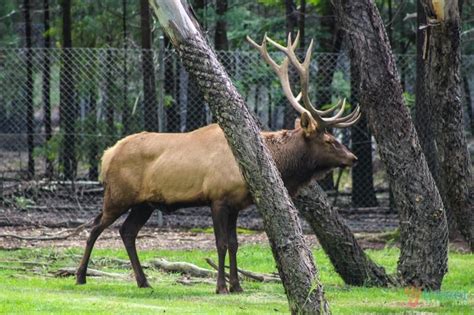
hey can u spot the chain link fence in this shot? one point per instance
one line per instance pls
(59, 109)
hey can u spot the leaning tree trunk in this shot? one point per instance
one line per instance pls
(293, 257)
(337, 240)
(423, 228)
(442, 80)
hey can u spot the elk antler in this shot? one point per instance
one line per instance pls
(303, 70)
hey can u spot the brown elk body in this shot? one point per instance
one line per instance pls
(169, 171)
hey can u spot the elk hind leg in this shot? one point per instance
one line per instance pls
(138, 216)
(101, 222)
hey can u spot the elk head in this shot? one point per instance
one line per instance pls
(320, 146)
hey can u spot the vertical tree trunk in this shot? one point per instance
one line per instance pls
(337, 240)
(423, 114)
(171, 87)
(46, 86)
(149, 92)
(293, 258)
(220, 39)
(109, 98)
(92, 130)
(301, 22)
(423, 228)
(291, 18)
(29, 91)
(67, 103)
(442, 79)
(326, 67)
(390, 19)
(125, 107)
(363, 192)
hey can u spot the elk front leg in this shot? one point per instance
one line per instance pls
(233, 247)
(220, 220)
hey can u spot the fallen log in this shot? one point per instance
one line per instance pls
(68, 272)
(182, 267)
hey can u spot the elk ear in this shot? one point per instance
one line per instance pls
(308, 124)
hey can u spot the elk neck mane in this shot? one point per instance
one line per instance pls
(290, 153)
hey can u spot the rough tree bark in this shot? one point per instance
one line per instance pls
(337, 240)
(423, 227)
(293, 257)
(442, 87)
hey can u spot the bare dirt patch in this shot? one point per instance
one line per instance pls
(149, 238)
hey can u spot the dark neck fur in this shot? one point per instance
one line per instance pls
(289, 150)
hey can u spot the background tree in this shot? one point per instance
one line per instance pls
(67, 105)
(363, 191)
(46, 85)
(441, 93)
(329, 39)
(125, 105)
(220, 38)
(29, 90)
(423, 228)
(293, 258)
(148, 69)
(291, 26)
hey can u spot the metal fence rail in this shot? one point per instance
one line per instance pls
(54, 127)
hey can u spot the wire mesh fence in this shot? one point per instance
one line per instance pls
(59, 109)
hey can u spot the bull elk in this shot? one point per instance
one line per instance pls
(149, 170)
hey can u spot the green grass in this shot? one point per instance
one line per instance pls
(35, 291)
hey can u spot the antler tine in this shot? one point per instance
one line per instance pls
(282, 73)
(354, 119)
(303, 71)
(301, 67)
(263, 51)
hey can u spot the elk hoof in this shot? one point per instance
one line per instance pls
(236, 289)
(222, 290)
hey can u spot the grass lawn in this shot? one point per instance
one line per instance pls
(26, 286)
